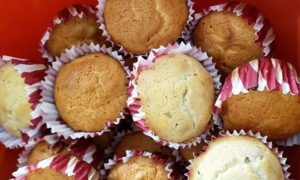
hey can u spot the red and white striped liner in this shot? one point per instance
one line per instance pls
(170, 166)
(79, 10)
(50, 113)
(263, 139)
(67, 165)
(263, 30)
(264, 74)
(100, 15)
(33, 73)
(84, 150)
(133, 95)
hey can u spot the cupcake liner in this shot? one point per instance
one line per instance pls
(133, 99)
(263, 30)
(79, 10)
(33, 73)
(84, 150)
(50, 113)
(100, 15)
(67, 165)
(171, 167)
(263, 74)
(263, 139)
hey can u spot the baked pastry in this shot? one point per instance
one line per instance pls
(15, 108)
(47, 173)
(189, 153)
(139, 141)
(177, 95)
(271, 113)
(140, 26)
(138, 167)
(73, 31)
(228, 39)
(236, 157)
(90, 91)
(43, 150)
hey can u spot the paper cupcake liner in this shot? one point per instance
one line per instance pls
(67, 165)
(33, 73)
(263, 139)
(100, 15)
(263, 74)
(263, 30)
(50, 113)
(133, 96)
(79, 10)
(84, 150)
(170, 166)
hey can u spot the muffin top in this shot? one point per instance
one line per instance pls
(228, 38)
(236, 157)
(15, 108)
(271, 113)
(139, 141)
(73, 31)
(43, 150)
(177, 95)
(47, 173)
(90, 91)
(138, 167)
(141, 25)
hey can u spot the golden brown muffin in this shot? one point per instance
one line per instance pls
(140, 25)
(237, 157)
(73, 31)
(177, 95)
(90, 91)
(271, 113)
(228, 38)
(47, 174)
(188, 153)
(139, 141)
(103, 140)
(138, 167)
(15, 108)
(43, 150)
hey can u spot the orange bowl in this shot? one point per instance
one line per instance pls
(23, 23)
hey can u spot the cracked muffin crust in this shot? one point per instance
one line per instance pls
(271, 113)
(228, 38)
(236, 157)
(73, 31)
(140, 25)
(90, 91)
(15, 108)
(138, 167)
(177, 95)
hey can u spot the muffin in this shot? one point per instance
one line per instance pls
(176, 94)
(140, 26)
(189, 153)
(232, 38)
(73, 29)
(262, 96)
(139, 141)
(90, 91)
(47, 173)
(139, 167)
(103, 140)
(236, 157)
(15, 108)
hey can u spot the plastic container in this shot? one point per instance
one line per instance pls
(23, 23)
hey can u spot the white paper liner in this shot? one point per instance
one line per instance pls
(79, 10)
(263, 31)
(67, 165)
(264, 74)
(263, 139)
(170, 166)
(33, 73)
(84, 150)
(100, 14)
(50, 113)
(133, 97)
